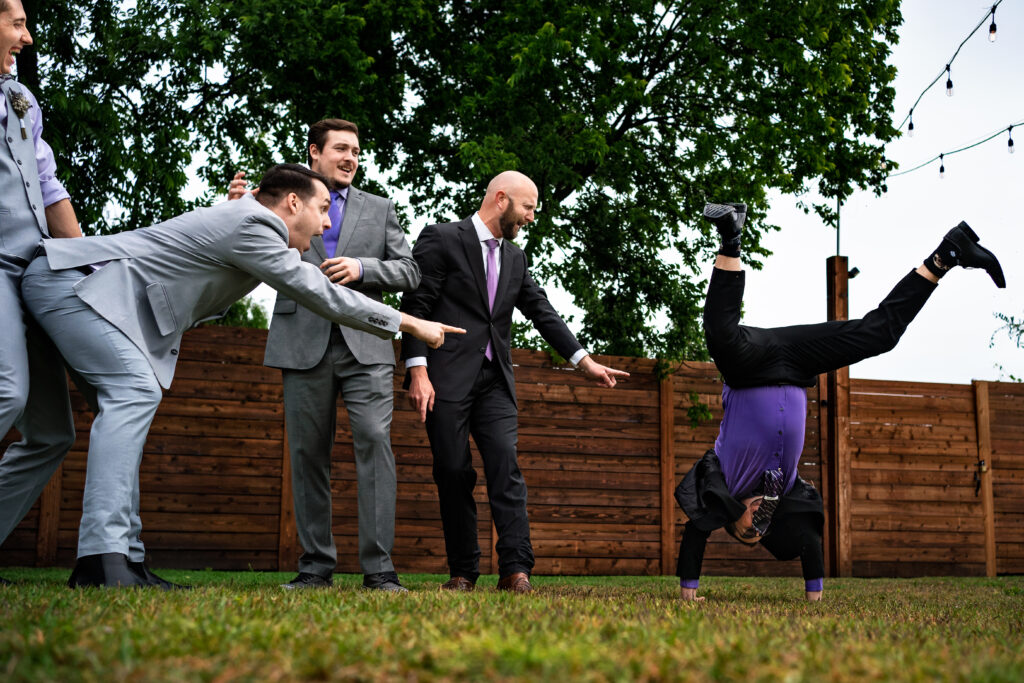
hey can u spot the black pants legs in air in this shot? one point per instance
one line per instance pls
(797, 354)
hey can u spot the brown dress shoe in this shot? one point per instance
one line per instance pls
(515, 583)
(458, 583)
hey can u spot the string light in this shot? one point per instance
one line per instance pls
(949, 81)
(942, 167)
(910, 128)
(941, 157)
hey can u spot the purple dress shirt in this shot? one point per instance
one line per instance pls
(763, 428)
(51, 188)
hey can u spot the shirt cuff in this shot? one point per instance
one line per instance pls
(689, 583)
(360, 278)
(415, 361)
(578, 356)
(814, 585)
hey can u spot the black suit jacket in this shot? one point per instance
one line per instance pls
(453, 290)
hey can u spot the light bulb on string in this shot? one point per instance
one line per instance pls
(949, 83)
(910, 128)
(992, 26)
(942, 167)
(1009, 142)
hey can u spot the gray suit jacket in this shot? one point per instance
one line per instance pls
(163, 279)
(370, 232)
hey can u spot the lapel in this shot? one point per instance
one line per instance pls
(317, 245)
(353, 207)
(474, 255)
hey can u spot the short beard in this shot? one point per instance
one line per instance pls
(507, 223)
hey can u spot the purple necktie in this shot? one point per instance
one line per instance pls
(492, 285)
(334, 213)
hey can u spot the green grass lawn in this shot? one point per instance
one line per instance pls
(242, 626)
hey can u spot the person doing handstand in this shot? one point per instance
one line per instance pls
(748, 483)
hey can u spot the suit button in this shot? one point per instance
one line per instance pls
(28, 184)
(10, 139)
(174, 352)
(19, 162)
(482, 349)
(33, 207)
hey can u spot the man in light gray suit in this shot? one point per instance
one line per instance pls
(33, 205)
(365, 250)
(120, 327)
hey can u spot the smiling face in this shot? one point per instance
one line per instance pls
(743, 528)
(309, 217)
(518, 211)
(339, 158)
(14, 34)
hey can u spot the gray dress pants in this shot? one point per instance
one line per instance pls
(33, 399)
(127, 394)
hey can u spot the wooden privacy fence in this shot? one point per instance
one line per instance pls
(600, 465)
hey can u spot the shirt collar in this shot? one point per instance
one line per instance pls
(482, 232)
(343, 193)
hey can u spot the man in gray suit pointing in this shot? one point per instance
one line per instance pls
(363, 249)
(120, 326)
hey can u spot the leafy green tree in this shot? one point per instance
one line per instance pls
(628, 114)
(244, 313)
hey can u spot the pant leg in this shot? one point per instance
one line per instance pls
(14, 372)
(47, 432)
(310, 407)
(753, 356)
(368, 391)
(495, 429)
(128, 395)
(448, 431)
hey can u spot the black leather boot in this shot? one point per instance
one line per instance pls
(728, 219)
(108, 570)
(143, 572)
(960, 248)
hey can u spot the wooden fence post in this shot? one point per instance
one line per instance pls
(668, 474)
(840, 475)
(49, 520)
(983, 419)
(287, 537)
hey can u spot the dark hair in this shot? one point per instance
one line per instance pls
(730, 528)
(318, 132)
(281, 179)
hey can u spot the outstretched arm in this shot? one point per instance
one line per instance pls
(691, 557)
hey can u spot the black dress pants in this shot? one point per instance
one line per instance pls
(756, 356)
(488, 413)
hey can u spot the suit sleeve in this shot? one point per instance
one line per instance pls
(260, 251)
(398, 270)
(691, 552)
(534, 305)
(429, 253)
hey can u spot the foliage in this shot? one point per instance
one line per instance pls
(629, 115)
(1013, 327)
(243, 626)
(244, 313)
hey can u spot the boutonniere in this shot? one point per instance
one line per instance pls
(20, 104)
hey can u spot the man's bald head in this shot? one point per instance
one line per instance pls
(509, 204)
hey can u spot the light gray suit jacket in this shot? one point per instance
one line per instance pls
(369, 232)
(163, 279)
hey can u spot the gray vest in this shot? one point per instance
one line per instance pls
(22, 214)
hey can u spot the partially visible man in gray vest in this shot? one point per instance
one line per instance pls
(365, 250)
(33, 206)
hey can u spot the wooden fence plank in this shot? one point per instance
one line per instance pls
(985, 472)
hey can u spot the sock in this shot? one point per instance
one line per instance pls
(944, 257)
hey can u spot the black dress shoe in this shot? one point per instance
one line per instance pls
(305, 580)
(108, 570)
(728, 218)
(151, 579)
(960, 248)
(385, 581)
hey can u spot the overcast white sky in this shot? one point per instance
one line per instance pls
(887, 236)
